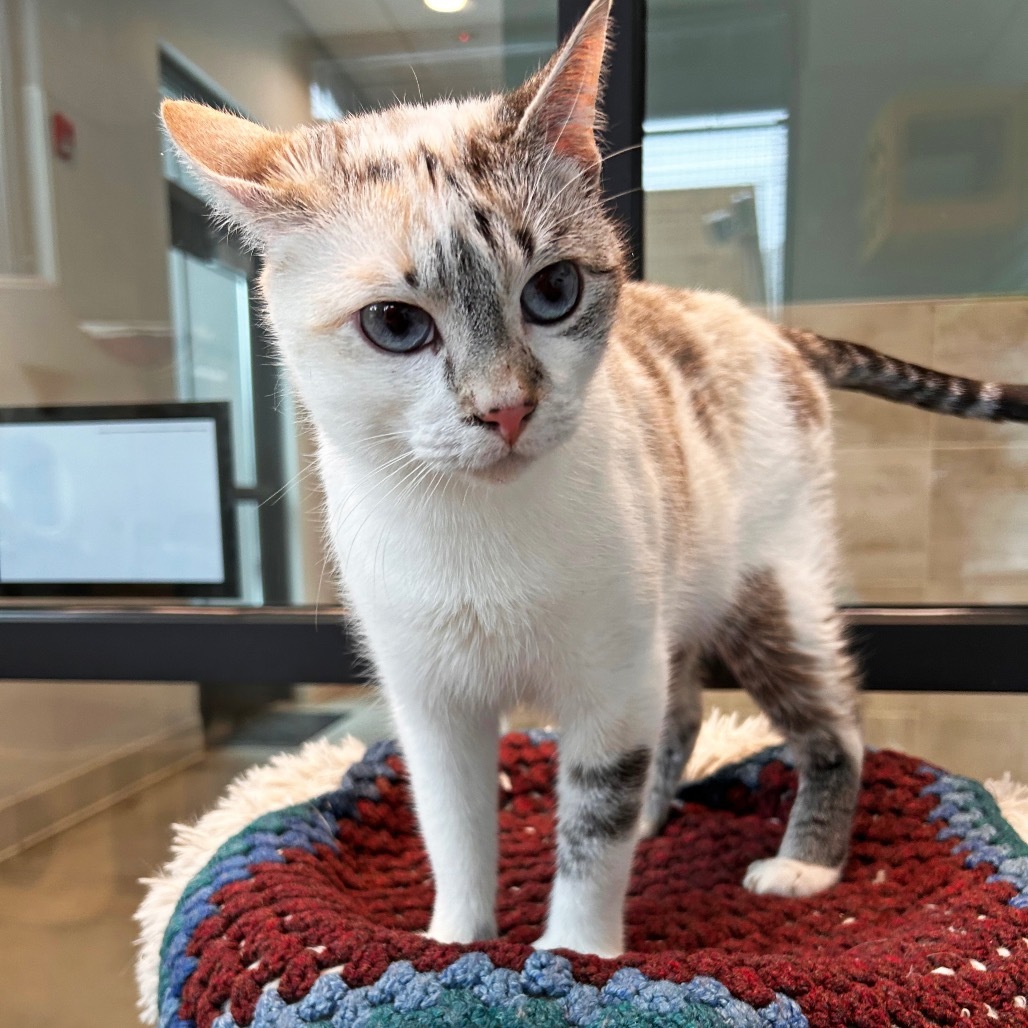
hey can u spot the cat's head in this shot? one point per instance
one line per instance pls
(441, 279)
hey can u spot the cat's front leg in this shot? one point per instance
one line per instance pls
(451, 756)
(606, 750)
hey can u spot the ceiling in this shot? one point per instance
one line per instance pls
(709, 54)
(378, 50)
(350, 18)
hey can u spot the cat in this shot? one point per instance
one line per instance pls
(548, 483)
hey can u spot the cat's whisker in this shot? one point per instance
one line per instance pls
(411, 486)
(583, 173)
(374, 472)
(339, 518)
(624, 192)
(398, 465)
(371, 513)
(439, 478)
(552, 202)
(574, 180)
(467, 491)
(384, 435)
(301, 476)
(618, 153)
(404, 462)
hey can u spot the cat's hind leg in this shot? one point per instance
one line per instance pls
(678, 737)
(782, 642)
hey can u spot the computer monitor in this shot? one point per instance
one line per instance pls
(117, 500)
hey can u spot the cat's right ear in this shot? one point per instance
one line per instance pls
(565, 93)
(253, 176)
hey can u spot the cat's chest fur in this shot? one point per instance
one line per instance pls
(505, 592)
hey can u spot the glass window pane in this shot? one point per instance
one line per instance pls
(248, 528)
(211, 318)
(142, 299)
(859, 169)
(724, 177)
(120, 292)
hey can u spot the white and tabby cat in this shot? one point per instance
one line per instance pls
(546, 483)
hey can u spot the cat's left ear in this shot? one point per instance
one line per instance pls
(566, 92)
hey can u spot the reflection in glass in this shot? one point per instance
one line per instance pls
(211, 317)
(720, 220)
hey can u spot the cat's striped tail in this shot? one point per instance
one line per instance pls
(864, 370)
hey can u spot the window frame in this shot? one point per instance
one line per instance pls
(25, 170)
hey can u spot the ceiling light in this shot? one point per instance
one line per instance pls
(446, 6)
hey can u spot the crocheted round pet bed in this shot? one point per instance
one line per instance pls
(311, 915)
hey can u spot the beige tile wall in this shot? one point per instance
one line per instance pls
(981, 736)
(932, 509)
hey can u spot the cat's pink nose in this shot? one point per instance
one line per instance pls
(509, 421)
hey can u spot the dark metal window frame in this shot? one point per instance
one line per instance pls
(904, 649)
(194, 232)
(624, 107)
(898, 649)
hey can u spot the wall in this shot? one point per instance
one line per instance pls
(97, 62)
(931, 509)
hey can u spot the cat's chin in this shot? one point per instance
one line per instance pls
(506, 469)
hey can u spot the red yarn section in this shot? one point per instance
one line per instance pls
(861, 954)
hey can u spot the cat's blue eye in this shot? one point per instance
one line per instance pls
(396, 327)
(552, 294)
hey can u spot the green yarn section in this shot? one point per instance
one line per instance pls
(457, 1007)
(985, 805)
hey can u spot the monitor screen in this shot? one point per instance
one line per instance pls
(114, 500)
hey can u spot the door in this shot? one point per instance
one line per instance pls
(223, 352)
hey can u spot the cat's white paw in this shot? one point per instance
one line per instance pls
(551, 939)
(442, 931)
(649, 827)
(780, 876)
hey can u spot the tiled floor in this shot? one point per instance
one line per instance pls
(66, 905)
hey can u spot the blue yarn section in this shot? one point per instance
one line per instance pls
(711, 790)
(304, 826)
(972, 819)
(544, 976)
